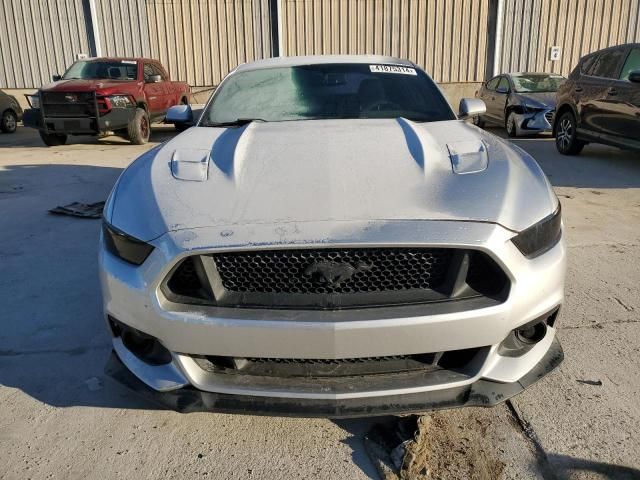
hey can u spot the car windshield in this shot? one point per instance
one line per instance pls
(98, 70)
(537, 83)
(327, 91)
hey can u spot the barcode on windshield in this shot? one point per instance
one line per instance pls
(392, 69)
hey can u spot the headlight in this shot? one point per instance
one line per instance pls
(540, 237)
(532, 108)
(35, 101)
(125, 246)
(119, 101)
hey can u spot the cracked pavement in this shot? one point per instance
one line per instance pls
(62, 418)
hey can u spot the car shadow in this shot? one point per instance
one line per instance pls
(28, 137)
(567, 467)
(598, 166)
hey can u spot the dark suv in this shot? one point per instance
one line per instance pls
(600, 102)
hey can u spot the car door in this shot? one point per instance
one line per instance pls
(593, 91)
(623, 100)
(488, 95)
(500, 99)
(153, 91)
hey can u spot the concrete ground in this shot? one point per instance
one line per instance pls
(62, 418)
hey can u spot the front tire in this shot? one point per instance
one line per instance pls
(510, 125)
(9, 121)
(567, 142)
(139, 128)
(53, 139)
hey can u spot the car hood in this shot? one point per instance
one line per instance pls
(544, 99)
(329, 170)
(104, 86)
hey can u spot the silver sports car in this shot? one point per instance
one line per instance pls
(331, 239)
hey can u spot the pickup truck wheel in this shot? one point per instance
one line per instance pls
(139, 128)
(9, 121)
(53, 139)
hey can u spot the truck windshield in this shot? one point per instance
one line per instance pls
(109, 70)
(537, 83)
(327, 91)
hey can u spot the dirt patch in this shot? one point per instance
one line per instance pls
(452, 444)
(442, 445)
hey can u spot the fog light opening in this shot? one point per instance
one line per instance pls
(532, 334)
(145, 347)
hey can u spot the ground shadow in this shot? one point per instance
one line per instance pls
(598, 166)
(28, 137)
(566, 467)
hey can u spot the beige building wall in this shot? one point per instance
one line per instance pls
(39, 38)
(532, 27)
(198, 41)
(448, 38)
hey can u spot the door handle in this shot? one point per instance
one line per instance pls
(578, 89)
(612, 91)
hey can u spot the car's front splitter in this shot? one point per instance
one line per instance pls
(483, 393)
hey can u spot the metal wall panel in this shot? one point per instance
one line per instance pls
(448, 38)
(40, 38)
(578, 27)
(198, 41)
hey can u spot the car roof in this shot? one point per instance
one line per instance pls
(321, 59)
(118, 59)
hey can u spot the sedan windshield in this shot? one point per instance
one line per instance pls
(537, 83)
(107, 70)
(327, 91)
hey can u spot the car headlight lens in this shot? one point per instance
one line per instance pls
(125, 246)
(540, 237)
(35, 101)
(120, 101)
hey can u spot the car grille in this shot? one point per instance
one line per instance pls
(549, 115)
(334, 278)
(346, 367)
(69, 104)
(329, 271)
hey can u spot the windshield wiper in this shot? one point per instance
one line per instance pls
(238, 122)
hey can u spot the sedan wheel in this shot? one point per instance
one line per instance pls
(8, 122)
(512, 130)
(566, 141)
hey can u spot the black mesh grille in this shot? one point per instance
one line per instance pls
(335, 278)
(62, 104)
(333, 271)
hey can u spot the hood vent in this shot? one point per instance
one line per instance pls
(190, 164)
(468, 157)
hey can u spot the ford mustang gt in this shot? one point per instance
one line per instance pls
(331, 239)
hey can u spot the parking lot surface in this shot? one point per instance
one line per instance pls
(61, 417)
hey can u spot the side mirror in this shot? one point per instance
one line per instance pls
(154, 79)
(470, 107)
(502, 90)
(634, 76)
(56, 77)
(180, 114)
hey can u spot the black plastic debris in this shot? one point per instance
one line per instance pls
(82, 210)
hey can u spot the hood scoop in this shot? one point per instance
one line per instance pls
(190, 164)
(468, 157)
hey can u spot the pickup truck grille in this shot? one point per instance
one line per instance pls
(69, 104)
(334, 278)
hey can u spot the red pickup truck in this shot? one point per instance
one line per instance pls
(99, 95)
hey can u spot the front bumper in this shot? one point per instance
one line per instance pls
(133, 297)
(537, 122)
(482, 393)
(116, 119)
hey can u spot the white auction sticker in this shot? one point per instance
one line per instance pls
(128, 62)
(392, 69)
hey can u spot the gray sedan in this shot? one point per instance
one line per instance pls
(523, 102)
